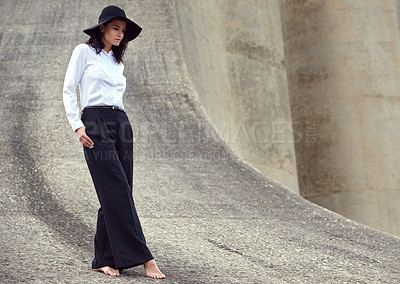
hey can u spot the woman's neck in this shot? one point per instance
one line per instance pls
(107, 47)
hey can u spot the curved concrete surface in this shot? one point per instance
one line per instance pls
(235, 64)
(343, 75)
(207, 216)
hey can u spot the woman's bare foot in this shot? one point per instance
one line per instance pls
(152, 270)
(108, 270)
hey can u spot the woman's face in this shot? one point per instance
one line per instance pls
(113, 32)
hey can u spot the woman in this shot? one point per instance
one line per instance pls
(107, 138)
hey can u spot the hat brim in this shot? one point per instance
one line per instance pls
(132, 29)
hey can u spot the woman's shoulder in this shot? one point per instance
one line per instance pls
(82, 47)
(80, 50)
(83, 50)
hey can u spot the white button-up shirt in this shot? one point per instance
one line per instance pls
(99, 77)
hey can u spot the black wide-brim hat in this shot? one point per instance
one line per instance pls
(116, 13)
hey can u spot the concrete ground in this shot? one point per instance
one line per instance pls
(207, 216)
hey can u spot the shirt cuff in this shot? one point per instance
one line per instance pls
(76, 125)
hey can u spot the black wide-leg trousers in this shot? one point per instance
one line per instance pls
(119, 241)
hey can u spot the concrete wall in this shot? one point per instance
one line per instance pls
(339, 60)
(233, 51)
(343, 74)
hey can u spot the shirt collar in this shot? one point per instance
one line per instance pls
(108, 54)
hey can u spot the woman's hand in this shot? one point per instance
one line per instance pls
(83, 138)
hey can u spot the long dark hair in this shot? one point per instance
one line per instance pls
(96, 41)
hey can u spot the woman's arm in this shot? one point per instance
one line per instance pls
(73, 76)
